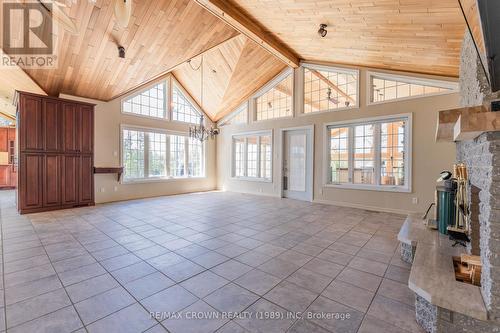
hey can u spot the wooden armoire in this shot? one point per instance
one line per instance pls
(55, 153)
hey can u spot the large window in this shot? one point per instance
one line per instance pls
(372, 154)
(150, 102)
(239, 116)
(387, 87)
(252, 156)
(327, 89)
(276, 101)
(182, 108)
(156, 154)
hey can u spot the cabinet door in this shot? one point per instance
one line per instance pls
(51, 180)
(86, 128)
(4, 139)
(71, 133)
(30, 123)
(86, 180)
(51, 125)
(31, 180)
(70, 179)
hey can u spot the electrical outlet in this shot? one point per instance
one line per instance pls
(115, 153)
(115, 188)
(414, 200)
(102, 189)
(260, 189)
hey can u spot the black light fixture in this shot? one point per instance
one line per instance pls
(322, 30)
(121, 51)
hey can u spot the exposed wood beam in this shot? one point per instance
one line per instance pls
(7, 115)
(240, 22)
(331, 85)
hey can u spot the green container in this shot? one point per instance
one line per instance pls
(446, 209)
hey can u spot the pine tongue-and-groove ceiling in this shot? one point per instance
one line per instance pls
(231, 72)
(161, 35)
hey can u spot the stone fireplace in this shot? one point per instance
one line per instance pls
(482, 158)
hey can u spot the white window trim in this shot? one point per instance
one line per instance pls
(232, 115)
(411, 80)
(301, 86)
(176, 83)
(245, 135)
(166, 100)
(265, 88)
(407, 188)
(167, 178)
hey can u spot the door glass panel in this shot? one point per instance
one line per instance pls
(297, 162)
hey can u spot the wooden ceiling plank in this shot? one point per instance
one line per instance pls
(241, 22)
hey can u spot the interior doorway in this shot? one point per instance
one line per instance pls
(297, 163)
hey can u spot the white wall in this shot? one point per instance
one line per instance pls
(429, 158)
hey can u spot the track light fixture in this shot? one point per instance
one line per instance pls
(322, 30)
(121, 51)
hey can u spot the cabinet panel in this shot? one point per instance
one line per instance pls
(86, 129)
(86, 180)
(71, 131)
(70, 179)
(51, 125)
(30, 122)
(51, 180)
(4, 139)
(31, 181)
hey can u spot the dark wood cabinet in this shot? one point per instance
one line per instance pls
(30, 114)
(70, 179)
(52, 180)
(71, 124)
(31, 181)
(56, 153)
(86, 175)
(51, 125)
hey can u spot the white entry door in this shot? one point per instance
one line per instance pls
(297, 166)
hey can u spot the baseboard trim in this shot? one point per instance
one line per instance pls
(365, 207)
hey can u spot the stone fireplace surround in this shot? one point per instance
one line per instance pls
(482, 158)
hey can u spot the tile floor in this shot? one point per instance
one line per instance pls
(191, 263)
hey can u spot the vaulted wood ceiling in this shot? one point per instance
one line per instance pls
(231, 72)
(161, 34)
(412, 35)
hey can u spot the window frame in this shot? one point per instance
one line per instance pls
(225, 120)
(245, 136)
(408, 160)
(301, 86)
(176, 83)
(168, 177)
(452, 85)
(268, 86)
(166, 100)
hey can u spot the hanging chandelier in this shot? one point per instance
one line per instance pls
(199, 131)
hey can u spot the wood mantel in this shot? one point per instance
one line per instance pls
(117, 170)
(466, 123)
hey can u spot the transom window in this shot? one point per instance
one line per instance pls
(239, 116)
(327, 89)
(156, 154)
(150, 102)
(252, 156)
(387, 87)
(182, 108)
(370, 154)
(277, 100)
